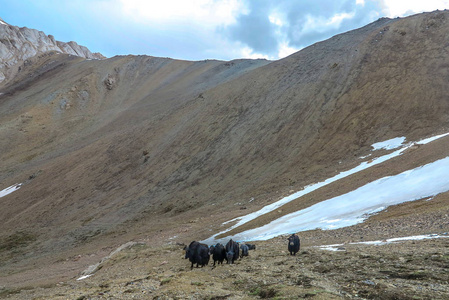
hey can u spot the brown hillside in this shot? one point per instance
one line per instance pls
(140, 147)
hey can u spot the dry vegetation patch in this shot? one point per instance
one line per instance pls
(407, 270)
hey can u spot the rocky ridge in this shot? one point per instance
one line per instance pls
(17, 44)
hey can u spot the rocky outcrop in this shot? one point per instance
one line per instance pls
(18, 44)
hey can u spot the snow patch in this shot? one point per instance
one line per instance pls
(431, 139)
(10, 189)
(389, 144)
(349, 212)
(84, 277)
(308, 189)
(354, 207)
(336, 247)
(416, 238)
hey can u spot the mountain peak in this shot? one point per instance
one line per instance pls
(17, 44)
(2, 22)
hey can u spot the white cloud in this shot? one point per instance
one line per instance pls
(320, 24)
(201, 29)
(276, 19)
(336, 20)
(204, 12)
(247, 52)
(286, 50)
(401, 8)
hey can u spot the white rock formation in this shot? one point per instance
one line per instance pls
(18, 44)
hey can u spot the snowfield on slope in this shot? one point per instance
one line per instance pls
(339, 247)
(353, 207)
(10, 189)
(389, 144)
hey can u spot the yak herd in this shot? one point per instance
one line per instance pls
(200, 254)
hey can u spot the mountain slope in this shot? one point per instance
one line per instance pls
(135, 146)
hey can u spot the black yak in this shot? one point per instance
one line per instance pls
(232, 251)
(251, 246)
(293, 244)
(218, 253)
(244, 249)
(197, 254)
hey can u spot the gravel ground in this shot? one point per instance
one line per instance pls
(414, 269)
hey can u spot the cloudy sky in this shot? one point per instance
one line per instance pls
(203, 29)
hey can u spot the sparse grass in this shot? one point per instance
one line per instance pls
(87, 236)
(86, 221)
(238, 282)
(16, 240)
(255, 291)
(314, 293)
(304, 281)
(263, 292)
(6, 292)
(29, 157)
